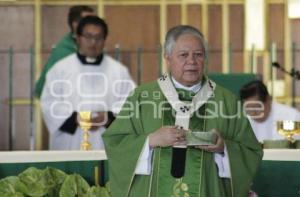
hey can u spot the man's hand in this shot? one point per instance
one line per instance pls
(167, 136)
(98, 120)
(215, 148)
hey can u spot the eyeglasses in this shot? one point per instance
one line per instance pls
(90, 38)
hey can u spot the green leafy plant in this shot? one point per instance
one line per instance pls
(9, 187)
(49, 182)
(74, 185)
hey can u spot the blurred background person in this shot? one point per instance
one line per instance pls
(84, 81)
(264, 112)
(66, 46)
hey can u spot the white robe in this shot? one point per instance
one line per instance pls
(71, 86)
(267, 130)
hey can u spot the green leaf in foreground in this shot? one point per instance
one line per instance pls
(9, 187)
(97, 192)
(74, 185)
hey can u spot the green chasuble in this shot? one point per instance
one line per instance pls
(63, 48)
(145, 111)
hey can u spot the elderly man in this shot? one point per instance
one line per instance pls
(84, 81)
(66, 46)
(147, 147)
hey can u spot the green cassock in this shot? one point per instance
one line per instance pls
(148, 110)
(63, 48)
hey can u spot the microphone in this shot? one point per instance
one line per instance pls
(276, 65)
(178, 162)
(295, 73)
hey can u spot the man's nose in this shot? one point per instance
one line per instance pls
(191, 59)
(93, 40)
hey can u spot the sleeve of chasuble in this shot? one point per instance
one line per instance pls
(144, 164)
(244, 151)
(222, 162)
(124, 141)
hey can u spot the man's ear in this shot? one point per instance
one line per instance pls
(74, 27)
(268, 102)
(77, 39)
(167, 61)
(270, 99)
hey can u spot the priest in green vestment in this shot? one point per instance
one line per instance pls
(147, 147)
(66, 46)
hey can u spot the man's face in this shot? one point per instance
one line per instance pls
(91, 41)
(256, 109)
(186, 61)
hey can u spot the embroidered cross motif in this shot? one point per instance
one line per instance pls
(210, 85)
(185, 109)
(163, 78)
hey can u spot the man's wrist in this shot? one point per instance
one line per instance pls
(151, 140)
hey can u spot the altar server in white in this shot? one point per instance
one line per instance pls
(84, 81)
(263, 112)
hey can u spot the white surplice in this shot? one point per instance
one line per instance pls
(72, 87)
(267, 130)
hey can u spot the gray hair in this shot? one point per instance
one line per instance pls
(177, 31)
